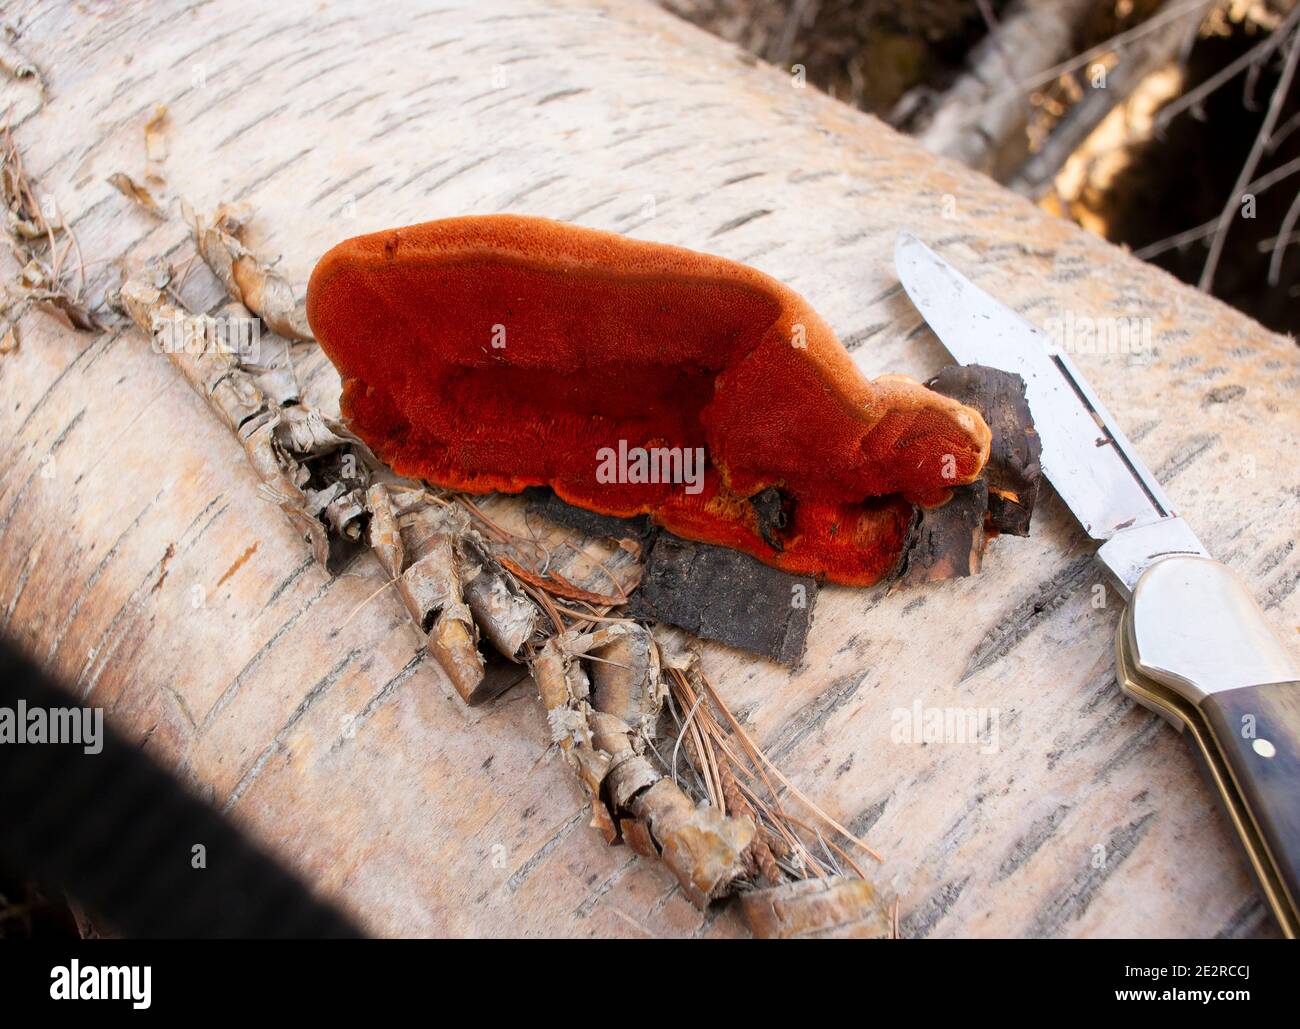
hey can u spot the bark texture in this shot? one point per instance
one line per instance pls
(141, 564)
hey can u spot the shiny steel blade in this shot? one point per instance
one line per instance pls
(1088, 459)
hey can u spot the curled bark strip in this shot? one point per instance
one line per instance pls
(385, 536)
(637, 836)
(565, 689)
(43, 279)
(603, 692)
(15, 65)
(507, 618)
(629, 772)
(263, 290)
(706, 850)
(312, 468)
(626, 677)
(627, 695)
(212, 372)
(307, 432)
(431, 584)
(279, 488)
(137, 193)
(703, 848)
(453, 644)
(839, 907)
(454, 590)
(433, 592)
(600, 713)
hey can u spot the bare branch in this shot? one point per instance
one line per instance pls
(1252, 160)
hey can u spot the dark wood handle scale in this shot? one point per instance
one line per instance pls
(1257, 729)
(1196, 648)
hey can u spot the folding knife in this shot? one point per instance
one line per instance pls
(1193, 645)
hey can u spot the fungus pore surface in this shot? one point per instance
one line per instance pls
(500, 352)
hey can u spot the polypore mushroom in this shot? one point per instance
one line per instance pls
(500, 352)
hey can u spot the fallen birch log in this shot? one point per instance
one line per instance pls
(141, 564)
(981, 118)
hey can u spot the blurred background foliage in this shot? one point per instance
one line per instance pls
(1168, 126)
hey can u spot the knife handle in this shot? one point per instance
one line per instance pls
(1196, 648)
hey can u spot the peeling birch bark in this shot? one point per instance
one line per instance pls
(817, 909)
(704, 848)
(278, 441)
(15, 65)
(248, 280)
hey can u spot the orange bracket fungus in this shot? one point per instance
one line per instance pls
(501, 352)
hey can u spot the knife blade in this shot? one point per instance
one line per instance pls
(1193, 645)
(1086, 456)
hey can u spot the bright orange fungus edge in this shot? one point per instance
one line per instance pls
(500, 352)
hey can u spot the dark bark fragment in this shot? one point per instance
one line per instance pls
(710, 591)
(771, 509)
(1014, 467)
(543, 502)
(726, 596)
(947, 542)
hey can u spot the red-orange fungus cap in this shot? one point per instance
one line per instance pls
(499, 352)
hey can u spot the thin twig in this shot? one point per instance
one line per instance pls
(1260, 185)
(1248, 169)
(1254, 55)
(1280, 241)
(740, 730)
(991, 26)
(1107, 46)
(368, 599)
(560, 586)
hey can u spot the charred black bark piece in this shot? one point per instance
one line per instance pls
(947, 542)
(772, 509)
(710, 591)
(542, 501)
(727, 596)
(1014, 467)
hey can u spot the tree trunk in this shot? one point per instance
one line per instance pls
(141, 564)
